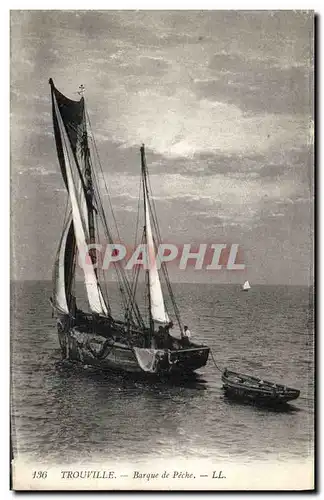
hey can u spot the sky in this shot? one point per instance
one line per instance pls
(223, 101)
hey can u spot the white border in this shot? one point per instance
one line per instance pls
(4, 198)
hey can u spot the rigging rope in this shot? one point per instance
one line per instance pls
(163, 265)
(212, 356)
(135, 280)
(137, 218)
(102, 272)
(121, 275)
(108, 234)
(103, 176)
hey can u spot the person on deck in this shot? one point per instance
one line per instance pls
(185, 336)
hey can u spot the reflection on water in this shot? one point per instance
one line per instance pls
(263, 406)
(63, 412)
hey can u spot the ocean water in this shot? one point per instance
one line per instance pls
(65, 414)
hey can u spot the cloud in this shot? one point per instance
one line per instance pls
(256, 86)
(149, 82)
(182, 125)
(231, 200)
(40, 170)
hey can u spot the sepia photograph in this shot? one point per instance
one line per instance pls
(162, 250)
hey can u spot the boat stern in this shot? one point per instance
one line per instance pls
(189, 359)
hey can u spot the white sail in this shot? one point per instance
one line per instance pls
(246, 285)
(59, 292)
(95, 298)
(158, 311)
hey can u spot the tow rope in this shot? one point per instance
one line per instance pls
(212, 356)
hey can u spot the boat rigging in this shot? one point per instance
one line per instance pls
(99, 337)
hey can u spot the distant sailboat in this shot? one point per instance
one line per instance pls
(246, 287)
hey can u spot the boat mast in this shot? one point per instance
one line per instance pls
(85, 151)
(159, 241)
(145, 197)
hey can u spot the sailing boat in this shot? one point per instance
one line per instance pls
(134, 342)
(246, 286)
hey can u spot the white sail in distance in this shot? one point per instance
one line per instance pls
(246, 286)
(158, 311)
(95, 298)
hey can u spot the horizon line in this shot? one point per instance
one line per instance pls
(180, 282)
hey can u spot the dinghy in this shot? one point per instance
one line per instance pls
(249, 388)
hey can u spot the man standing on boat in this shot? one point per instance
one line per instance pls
(185, 336)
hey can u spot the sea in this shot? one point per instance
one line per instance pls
(62, 413)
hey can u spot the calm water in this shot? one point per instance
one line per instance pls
(66, 414)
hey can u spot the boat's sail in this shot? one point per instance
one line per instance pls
(72, 114)
(80, 178)
(246, 286)
(158, 311)
(62, 271)
(80, 213)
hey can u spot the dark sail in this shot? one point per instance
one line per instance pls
(73, 117)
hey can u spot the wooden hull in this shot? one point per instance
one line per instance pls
(107, 354)
(251, 389)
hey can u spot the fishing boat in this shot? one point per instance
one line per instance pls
(132, 341)
(253, 389)
(246, 286)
